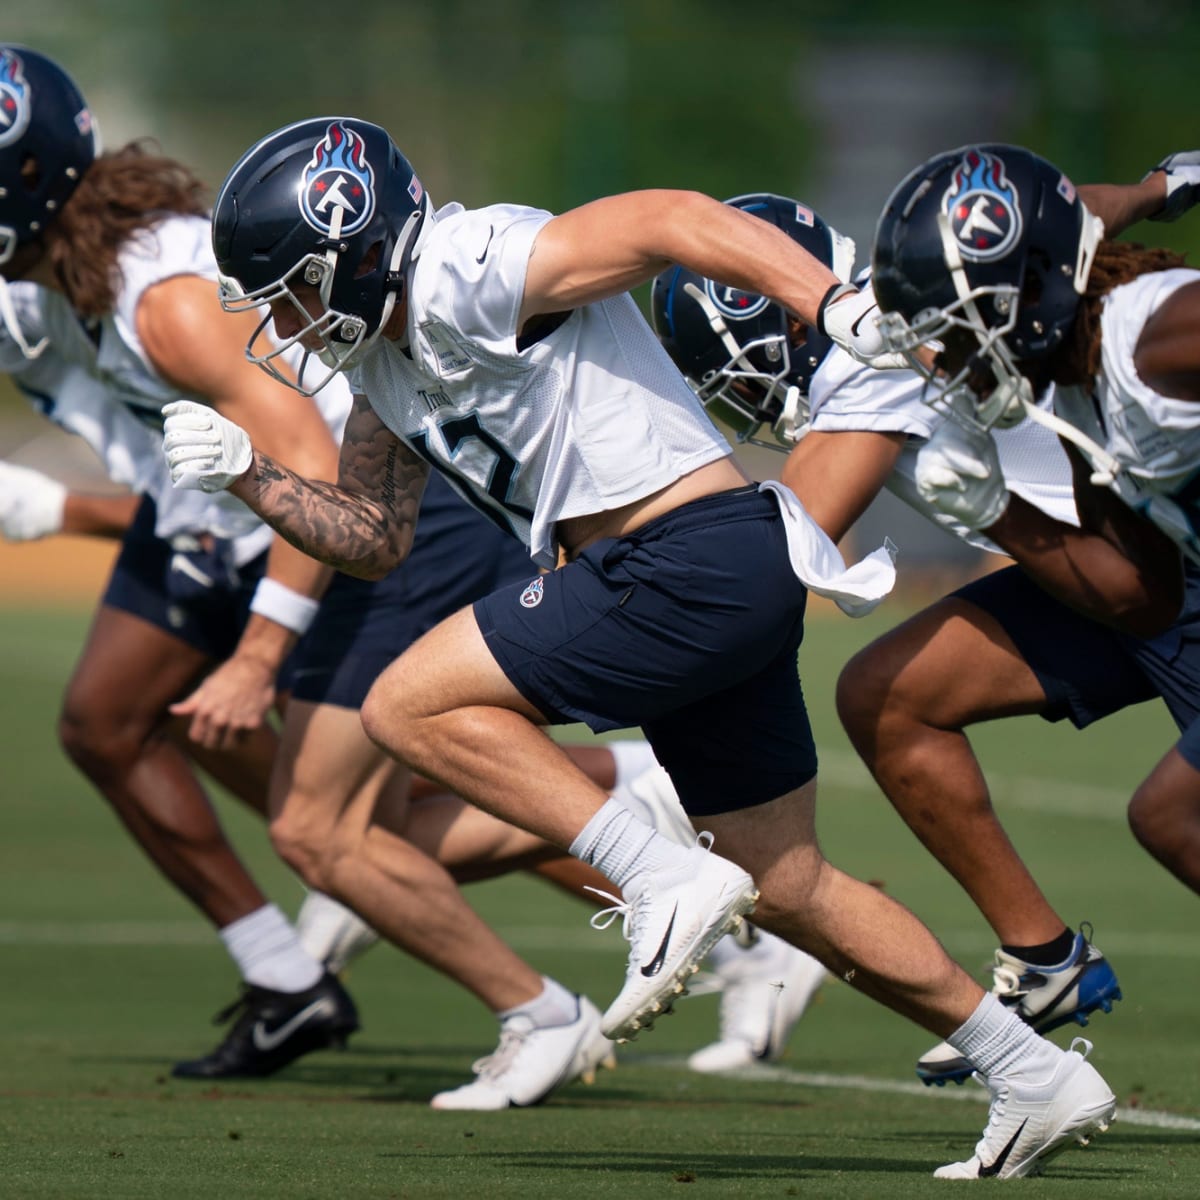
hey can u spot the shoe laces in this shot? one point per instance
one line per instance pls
(618, 908)
(1007, 982)
(495, 1065)
(242, 1004)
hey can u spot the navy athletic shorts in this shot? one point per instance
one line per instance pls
(457, 556)
(688, 627)
(194, 592)
(1088, 670)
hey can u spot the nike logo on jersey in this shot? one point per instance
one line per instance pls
(487, 245)
(653, 967)
(1001, 1158)
(270, 1039)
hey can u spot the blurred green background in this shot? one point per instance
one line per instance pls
(554, 102)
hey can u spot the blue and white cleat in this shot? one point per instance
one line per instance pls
(1044, 997)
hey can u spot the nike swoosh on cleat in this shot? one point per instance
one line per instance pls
(487, 244)
(1001, 1158)
(270, 1039)
(653, 967)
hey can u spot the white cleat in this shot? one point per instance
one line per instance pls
(532, 1061)
(671, 924)
(1028, 1124)
(766, 988)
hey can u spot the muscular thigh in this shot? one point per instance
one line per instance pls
(129, 671)
(1085, 670)
(950, 665)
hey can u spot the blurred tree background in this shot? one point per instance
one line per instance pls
(553, 102)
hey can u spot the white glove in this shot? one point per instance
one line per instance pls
(31, 504)
(1183, 183)
(205, 452)
(850, 317)
(958, 473)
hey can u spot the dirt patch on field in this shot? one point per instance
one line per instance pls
(62, 572)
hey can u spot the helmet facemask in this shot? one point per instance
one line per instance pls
(990, 389)
(344, 336)
(745, 395)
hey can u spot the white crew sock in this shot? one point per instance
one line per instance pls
(268, 952)
(554, 1005)
(995, 1041)
(631, 756)
(331, 933)
(621, 847)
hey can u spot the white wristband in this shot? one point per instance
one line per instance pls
(285, 607)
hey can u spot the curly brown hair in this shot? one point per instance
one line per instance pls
(1077, 361)
(122, 191)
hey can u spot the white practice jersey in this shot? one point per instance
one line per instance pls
(95, 380)
(590, 418)
(1154, 439)
(846, 395)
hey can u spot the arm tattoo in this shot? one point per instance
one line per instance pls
(363, 525)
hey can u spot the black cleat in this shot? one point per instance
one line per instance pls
(272, 1029)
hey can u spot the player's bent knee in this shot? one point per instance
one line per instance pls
(1152, 820)
(861, 694)
(97, 747)
(309, 847)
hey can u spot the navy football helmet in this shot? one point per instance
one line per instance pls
(329, 203)
(47, 141)
(985, 250)
(736, 348)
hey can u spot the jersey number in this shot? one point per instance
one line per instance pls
(498, 506)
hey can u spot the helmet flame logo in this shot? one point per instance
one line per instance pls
(338, 176)
(983, 208)
(14, 98)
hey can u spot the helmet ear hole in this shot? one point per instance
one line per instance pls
(31, 173)
(369, 261)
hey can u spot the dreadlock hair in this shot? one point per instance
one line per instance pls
(120, 193)
(1077, 360)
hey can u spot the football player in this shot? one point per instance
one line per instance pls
(848, 431)
(113, 317)
(179, 596)
(500, 347)
(1029, 302)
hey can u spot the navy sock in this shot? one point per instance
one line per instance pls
(1048, 954)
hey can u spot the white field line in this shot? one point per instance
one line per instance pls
(866, 1083)
(1057, 797)
(960, 942)
(180, 933)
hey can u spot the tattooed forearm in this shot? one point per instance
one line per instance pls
(344, 528)
(389, 478)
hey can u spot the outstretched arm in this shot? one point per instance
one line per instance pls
(33, 505)
(611, 245)
(1164, 193)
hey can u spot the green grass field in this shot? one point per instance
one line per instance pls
(108, 977)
